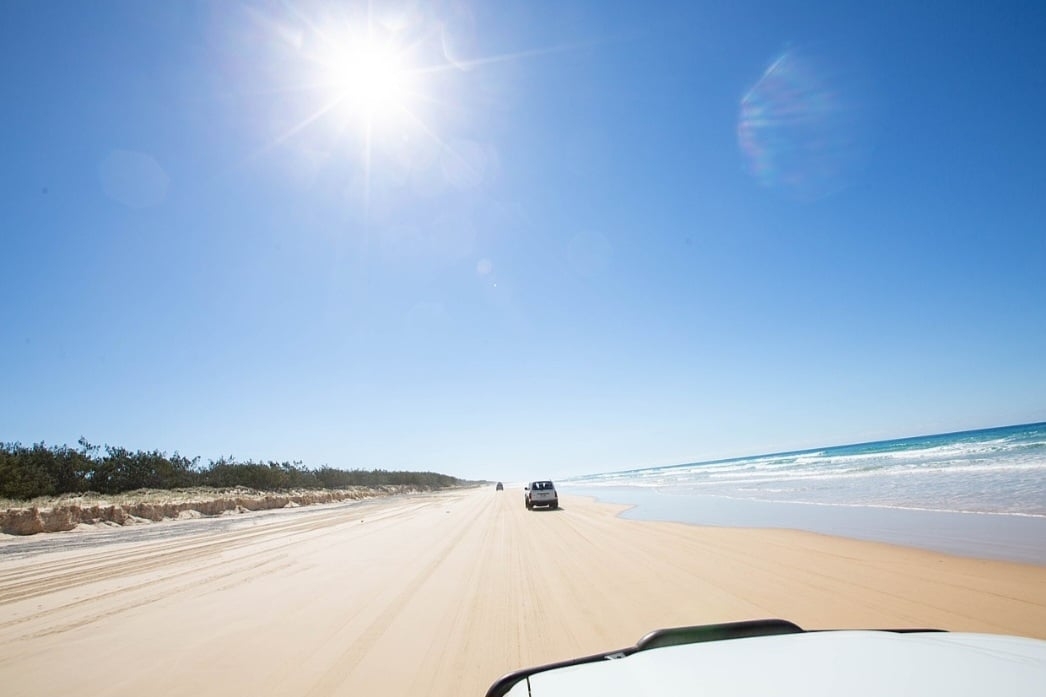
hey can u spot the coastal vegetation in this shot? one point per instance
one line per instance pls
(28, 472)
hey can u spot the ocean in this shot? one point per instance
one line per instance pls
(980, 492)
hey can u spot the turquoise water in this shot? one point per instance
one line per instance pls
(977, 493)
(996, 470)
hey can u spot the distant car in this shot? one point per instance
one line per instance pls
(542, 493)
(499, 487)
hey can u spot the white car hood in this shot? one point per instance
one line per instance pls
(813, 664)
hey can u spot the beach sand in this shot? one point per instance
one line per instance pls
(441, 594)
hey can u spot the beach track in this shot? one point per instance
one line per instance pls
(440, 594)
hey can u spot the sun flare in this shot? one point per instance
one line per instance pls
(381, 94)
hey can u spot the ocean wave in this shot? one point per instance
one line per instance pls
(988, 470)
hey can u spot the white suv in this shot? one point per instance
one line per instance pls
(541, 493)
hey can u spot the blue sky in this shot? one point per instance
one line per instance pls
(579, 237)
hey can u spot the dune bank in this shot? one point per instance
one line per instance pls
(149, 506)
(439, 594)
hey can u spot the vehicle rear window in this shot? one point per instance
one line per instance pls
(542, 485)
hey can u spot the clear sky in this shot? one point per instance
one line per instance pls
(519, 238)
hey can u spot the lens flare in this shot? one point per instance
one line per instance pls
(799, 129)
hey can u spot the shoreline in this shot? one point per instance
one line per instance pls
(994, 536)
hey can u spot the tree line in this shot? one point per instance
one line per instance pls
(41, 470)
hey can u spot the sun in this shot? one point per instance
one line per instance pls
(370, 78)
(369, 83)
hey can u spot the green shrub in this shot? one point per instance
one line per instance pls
(28, 472)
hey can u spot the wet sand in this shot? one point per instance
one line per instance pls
(440, 594)
(1020, 538)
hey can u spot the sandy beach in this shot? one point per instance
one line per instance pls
(440, 594)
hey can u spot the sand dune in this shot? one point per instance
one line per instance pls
(440, 594)
(72, 511)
